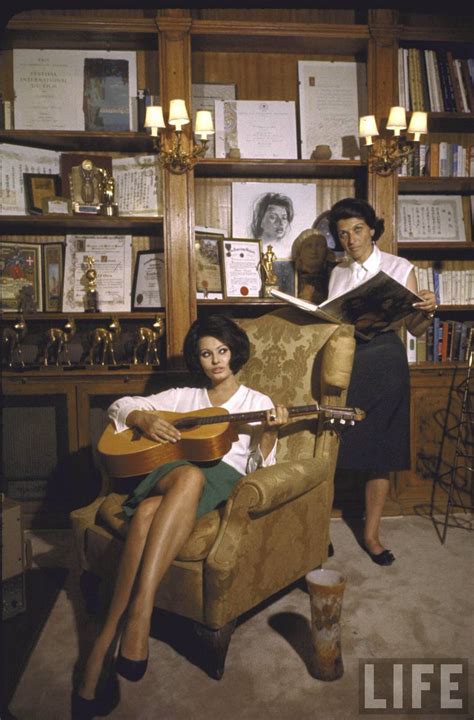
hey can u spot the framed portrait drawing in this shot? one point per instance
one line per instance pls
(20, 277)
(208, 264)
(38, 188)
(53, 259)
(273, 212)
(148, 291)
(287, 276)
(240, 264)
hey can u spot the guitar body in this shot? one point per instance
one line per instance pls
(129, 453)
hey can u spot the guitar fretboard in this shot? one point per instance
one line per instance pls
(188, 422)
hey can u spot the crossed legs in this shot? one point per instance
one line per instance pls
(159, 528)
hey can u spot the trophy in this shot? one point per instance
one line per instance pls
(85, 181)
(90, 275)
(147, 344)
(270, 280)
(107, 188)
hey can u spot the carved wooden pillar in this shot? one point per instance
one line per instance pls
(178, 190)
(383, 93)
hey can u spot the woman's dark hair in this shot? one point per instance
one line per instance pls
(225, 330)
(260, 208)
(355, 207)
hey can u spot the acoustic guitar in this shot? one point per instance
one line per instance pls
(206, 435)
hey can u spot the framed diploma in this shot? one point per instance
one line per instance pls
(431, 218)
(53, 276)
(112, 256)
(149, 281)
(208, 264)
(20, 277)
(240, 264)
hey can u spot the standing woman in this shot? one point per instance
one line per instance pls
(164, 506)
(380, 382)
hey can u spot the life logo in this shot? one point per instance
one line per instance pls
(414, 686)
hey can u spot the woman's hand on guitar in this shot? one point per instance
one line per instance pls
(153, 426)
(276, 417)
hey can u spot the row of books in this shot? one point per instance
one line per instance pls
(440, 159)
(451, 287)
(435, 80)
(444, 341)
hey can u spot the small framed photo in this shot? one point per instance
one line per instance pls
(53, 269)
(39, 187)
(208, 264)
(287, 276)
(240, 264)
(20, 277)
(148, 292)
(57, 206)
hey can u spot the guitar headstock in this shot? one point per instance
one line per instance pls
(342, 415)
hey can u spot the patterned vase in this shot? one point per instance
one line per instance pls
(326, 589)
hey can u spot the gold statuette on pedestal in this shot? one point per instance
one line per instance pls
(269, 279)
(90, 277)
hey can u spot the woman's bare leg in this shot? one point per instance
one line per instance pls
(376, 491)
(171, 526)
(126, 575)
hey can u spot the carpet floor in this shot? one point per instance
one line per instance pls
(421, 607)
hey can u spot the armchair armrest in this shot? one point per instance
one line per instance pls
(278, 484)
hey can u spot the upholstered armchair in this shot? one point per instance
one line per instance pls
(274, 528)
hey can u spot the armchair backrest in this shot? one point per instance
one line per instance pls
(297, 361)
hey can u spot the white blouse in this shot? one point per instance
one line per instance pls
(349, 273)
(245, 455)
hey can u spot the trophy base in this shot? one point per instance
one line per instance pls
(267, 290)
(109, 210)
(86, 209)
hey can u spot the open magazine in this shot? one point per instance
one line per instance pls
(371, 307)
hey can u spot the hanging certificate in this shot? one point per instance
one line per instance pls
(241, 260)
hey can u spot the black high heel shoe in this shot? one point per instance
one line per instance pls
(132, 670)
(81, 708)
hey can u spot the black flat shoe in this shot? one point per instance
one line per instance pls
(132, 670)
(81, 708)
(383, 558)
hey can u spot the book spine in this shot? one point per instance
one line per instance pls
(446, 84)
(454, 81)
(410, 343)
(421, 347)
(402, 101)
(460, 84)
(437, 76)
(468, 84)
(432, 89)
(434, 159)
(424, 81)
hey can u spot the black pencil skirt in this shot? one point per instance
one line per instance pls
(380, 385)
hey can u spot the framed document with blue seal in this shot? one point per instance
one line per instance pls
(149, 289)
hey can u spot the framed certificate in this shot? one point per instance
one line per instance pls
(148, 291)
(208, 264)
(431, 218)
(112, 261)
(240, 263)
(20, 277)
(53, 276)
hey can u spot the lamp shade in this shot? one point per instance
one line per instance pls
(204, 124)
(397, 119)
(368, 128)
(178, 114)
(418, 124)
(154, 118)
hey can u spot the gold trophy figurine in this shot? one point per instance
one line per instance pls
(85, 185)
(270, 280)
(107, 188)
(90, 275)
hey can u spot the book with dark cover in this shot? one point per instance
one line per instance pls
(446, 82)
(371, 307)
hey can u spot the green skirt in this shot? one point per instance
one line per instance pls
(221, 479)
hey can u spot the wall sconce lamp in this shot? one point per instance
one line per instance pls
(176, 160)
(385, 155)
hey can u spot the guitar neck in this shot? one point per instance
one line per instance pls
(245, 416)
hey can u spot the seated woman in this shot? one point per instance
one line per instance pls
(163, 508)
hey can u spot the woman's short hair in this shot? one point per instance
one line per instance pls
(225, 330)
(355, 207)
(260, 208)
